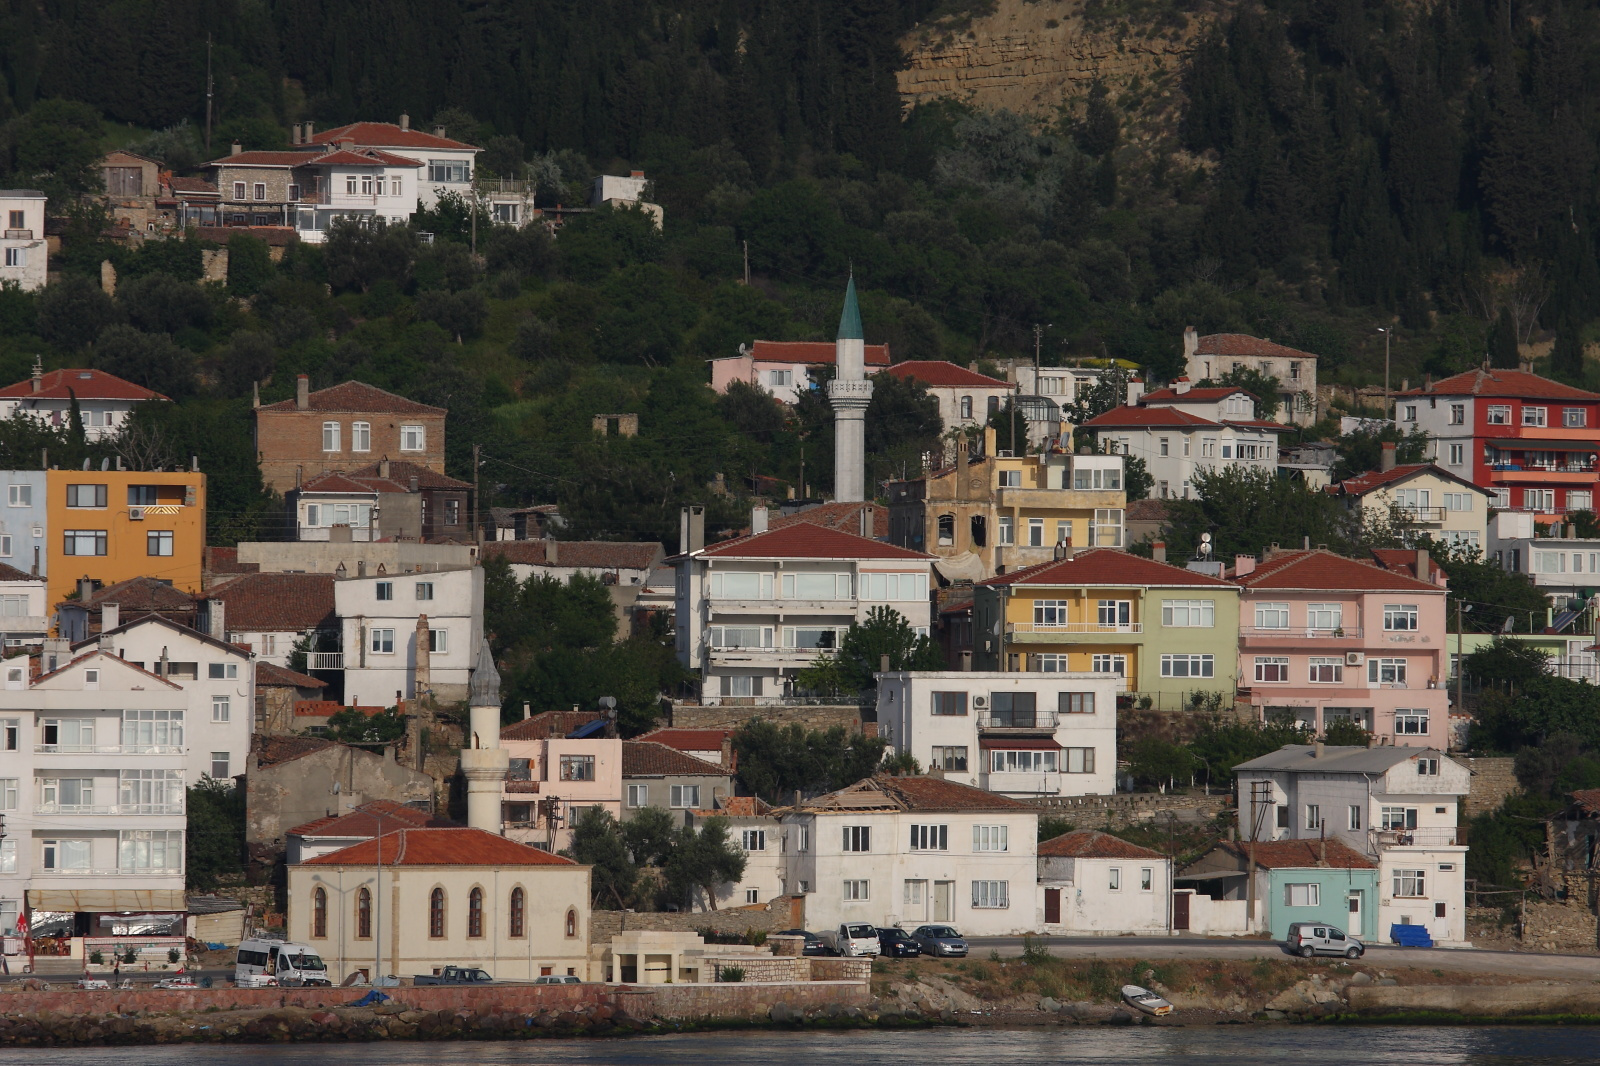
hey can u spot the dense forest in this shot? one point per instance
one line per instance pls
(1338, 166)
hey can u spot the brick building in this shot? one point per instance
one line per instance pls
(342, 428)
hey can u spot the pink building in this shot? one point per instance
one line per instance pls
(782, 367)
(1322, 637)
(553, 778)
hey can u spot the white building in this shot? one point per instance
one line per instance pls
(24, 608)
(1399, 806)
(966, 397)
(105, 401)
(784, 368)
(1066, 385)
(1423, 500)
(1562, 566)
(613, 190)
(907, 850)
(378, 616)
(1097, 884)
(1019, 734)
(752, 611)
(448, 164)
(24, 259)
(269, 613)
(755, 830)
(1212, 356)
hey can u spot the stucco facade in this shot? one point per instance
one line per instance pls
(1422, 500)
(379, 616)
(1094, 884)
(112, 525)
(294, 780)
(560, 776)
(24, 256)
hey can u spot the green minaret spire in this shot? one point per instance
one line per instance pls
(850, 320)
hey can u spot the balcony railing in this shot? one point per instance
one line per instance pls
(115, 809)
(1301, 632)
(324, 660)
(1421, 514)
(1431, 836)
(1037, 720)
(108, 749)
(19, 234)
(115, 871)
(1073, 627)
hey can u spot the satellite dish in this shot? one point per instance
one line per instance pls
(608, 703)
(1205, 545)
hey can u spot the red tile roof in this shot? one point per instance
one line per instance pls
(936, 372)
(356, 397)
(818, 353)
(1301, 854)
(370, 819)
(139, 596)
(1507, 384)
(1093, 844)
(1138, 417)
(272, 675)
(689, 739)
(845, 516)
(226, 561)
(742, 807)
(1587, 799)
(1105, 567)
(11, 573)
(276, 603)
(1373, 479)
(1205, 395)
(440, 847)
(192, 185)
(547, 725)
(263, 159)
(384, 135)
(1242, 344)
(644, 758)
(588, 554)
(803, 540)
(884, 792)
(1404, 561)
(84, 384)
(401, 473)
(329, 708)
(1319, 569)
(274, 751)
(370, 157)
(1147, 511)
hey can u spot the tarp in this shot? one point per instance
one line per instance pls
(963, 567)
(107, 899)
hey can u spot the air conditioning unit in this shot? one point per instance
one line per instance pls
(980, 703)
(1354, 658)
(136, 514)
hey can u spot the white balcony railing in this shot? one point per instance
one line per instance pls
(115, 809)
(108, 749)
(1300, 632)
(324, 660)
(115, 871)
(1426, 837)
(1037, 720)
(1073, 627)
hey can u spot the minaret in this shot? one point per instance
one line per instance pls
(849, 393)
(484, 762)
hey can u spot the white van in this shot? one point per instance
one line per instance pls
(265, 963)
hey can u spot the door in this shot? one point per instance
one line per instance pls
(1180, 910)
(1052, 906)
(916, 901)
(944, 901)
(1353, 924)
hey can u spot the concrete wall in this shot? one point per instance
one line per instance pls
(1538, 997)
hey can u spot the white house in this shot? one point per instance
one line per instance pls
(1097, 884)
(1424, 500)
(1214, 355)
(24, 259)
(754, 610)
(1399, 806)
(269, 613)
(783, 368)
(1563, 566)
(358, 184)
(449, 164)
(755, 830)
(380, 618)
(613, 190)
(908, 850)
(24, 610)
(1019, 734)
(1066, 385)
(105, 401)
(966, 397)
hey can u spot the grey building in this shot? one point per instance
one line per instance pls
(654, 775)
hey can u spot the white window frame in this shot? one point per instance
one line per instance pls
(684, 797)
(856, 890)
(856, 838)
(413, 438)
(381, 641)
(221, 708)
(361, 436)
(1189, 614)
(991, 895)
(1272, 615)
(1194, 665)
(1331, 667)
(1386, 671)
(1302, 894)
(930, 837)
(991, 838)
(1535, 416)
(1272, 668)
(638, 796)
(330, 436)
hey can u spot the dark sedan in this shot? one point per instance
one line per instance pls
(896, 944)
(813, 944)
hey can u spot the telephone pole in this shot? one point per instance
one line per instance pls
(210, 93)
(477, 499)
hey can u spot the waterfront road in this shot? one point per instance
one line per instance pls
(1459, 960)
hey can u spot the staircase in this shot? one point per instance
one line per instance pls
(57, 966)
(1411, 936)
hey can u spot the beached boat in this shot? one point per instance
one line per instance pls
(1142, 999)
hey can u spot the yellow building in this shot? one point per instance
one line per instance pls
(112, 525)
(995, 513)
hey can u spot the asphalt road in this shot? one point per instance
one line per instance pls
(1460, 960)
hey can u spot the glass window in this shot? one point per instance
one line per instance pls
(991, 838)
(1399, 616)
(1106, 532)
(424, 590)
(330, 436)
(412, 438)
(219, 709)
(1458, 414)
(361, 436)
(1398, 818)
(950, 703)
(158, 542)
(1533, 416)
(1303, 895)
(86, 495)
(1188, 666)
(950, 757)
(638, 795)
(438, 640)
(1272, 668)
(20, 495)
(1117, 613)
(261, 190)
(1272, 616)
(1313, 816)
(1007, 529)
(1411, 723)
(1077, 760)
(1076, 702)
(734, 585)
(1386, 671)
(577, 767)
(1022, 762)
(855, 891)
(1500, 415)
(219, 765)
(815, 586)
(1109, 664)
(382, 641)
(385, 590)
(753, 839)
(83, 542)
(149, 730)
(857, 838)
(1410, 883)
(685, 797)
(930, 838)
(991, 895)
(1189, 613)
(1353, 817)
(1016, 709)
(1114, 879)
(1325, 670)
(1049, 612)
(1324, 616)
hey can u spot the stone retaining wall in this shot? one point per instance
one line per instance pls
(729, 716)
(1493, 779)
(758, 969)
(1123, 808)
(830, 969)
(603, 925)
(1569, 926)
(747, 1000)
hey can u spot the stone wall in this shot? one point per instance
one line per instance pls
(603, 925)
(731, 716)
(748, 1000)
(830, 969)
(767, 968)
(1493, 779)
(1561, 927)
(1103, 812)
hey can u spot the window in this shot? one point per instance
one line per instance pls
(577, 767)
(1410, 883)
(1075, 703)
(448, 170)
(363, 914)
(436, 913)
(1114, 879)
(382, 641)
(1307, 895)
(1014, 709)
(66, 855)
(294, 192)
(158, 542)
(855, 891)
(1458, 414)
(990, 838)
(412, 438)
(1354, 819)
(1035, 532)
(1502, 498)
(1408, 413)
(366, 185)
(761, 637)
(475, 913)
(802, 839)
(1272, 616)
(570, 926)
(685, 797)
(877, 585)
(1189, 613)
(219, 766)
(638, 795)
(438, 640)
(350, 184)
(361, 436)
(1574, 417)
(1534, 416)
(966, 407)
(1022, 762)
(1010, 479)
(1048, 662)
(1411, 723)
(1007, 526)
(1386, 671)
(1272, 668)
(8, 865)
(519, 910)
(150, 731)
(1427, 767)
(1109, 664)
(951, 704)
(1208, 447)
(9, 728)
(858, 838)
(261, 190)
(1097, 477)
(991, 895)
(753, 839)
(1313, 816)
(949, 757)
(1458, 454)
(1114, 613)
(8, 793)
(806, 586)
(91, 679)
(1460, 501)
(67, 734)
(238, 190)
(1500, 415)
(1077, 760)
(1106, 530)
(930, 838)
(1399, 616)
(20, 495)
(1395, 818)
(86, 495)
(385, 590)
(1539, 499)
(780, 379)
(319, 912)
(330, 436)
(222, 671)
(1577, 500)
(1325, 670)
(1188, 666)
(219, 709)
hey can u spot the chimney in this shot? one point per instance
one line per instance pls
(1191, 342)
(218, 627)
(110, 616)
(727, 753)
(164, 667)
(867, 516)
(308, 132)
(1182, 385)
(411, 483)
(552, 550)
(405, 121)
(438, 131)
(1386, 455)
(85, 589)
(1372, 740)
(1427, 383)
(383, 467)
(1158, 551)
(302, 392)
(294, 134)
(1424, 570)
(107, 642)
(38, 375)
(966, 661)
(423, 680)
(758, 520)
(1243, 565)
(635, 173)
(1322, 847)
(527, 710)
(1316, 752)
(692, 528)
(237, 149)
(1305, 543)
(883, 663)
(361, 568)
(347, 144)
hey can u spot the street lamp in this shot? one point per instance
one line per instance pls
(1386, 335)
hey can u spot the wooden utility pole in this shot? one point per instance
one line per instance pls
(210, 93)
(1259, 791)
(477, 499)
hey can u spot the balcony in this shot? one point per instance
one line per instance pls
(1429, 837)
(1280, 636)
(1421, 516)
(766, 656)
(746, 605)
(115, 809)
(324, 660)
(98, 871)
(108, 749)
(1018, 723)
(1043, 631)
(19, 234)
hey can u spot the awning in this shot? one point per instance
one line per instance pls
(1523, 444)
(963, 567)
(104, 900)
(1019, 743)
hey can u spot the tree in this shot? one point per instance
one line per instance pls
(650, 834)
(1222, 745)
(703, 859)
(1507, 662)
(161, 303)
(885, 633)
(55, 147)
(249, 264)
(214, 843)
(460, 314)
(1342, 731)
(352, 726)
(1136, 479)
(598, 841)
(1361, 449)
(776, 762)
(1160, 763)
(1263, 388)
(1246, 510)
(1566, 358)
(148, 359)
(1494, 593)
(74, 311)
(1503, 351)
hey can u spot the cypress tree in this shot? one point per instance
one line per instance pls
(1566, 358)
(1503, 342)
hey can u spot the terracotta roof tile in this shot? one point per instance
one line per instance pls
(226, 561)
(1373, 479)
(1205, 395)
(440, 847)
(401, 473)
(11, 573)
(274, 676)
(276, 603)
(937, 372)
(370, 819)
(274, 751)
(329, 708)
(1301, 854)
(1588, 799)
(912, 794)
(644, 758)
(1136, 417)
(1320, 569)
(689, 739)
(1093, 844)
(1506, 384)
(138, 596)
(263, 159)
(356, 397)
(384, 135)
(743, 807)
(1404, 561)
(1242, 344)
(803, 540)
(1106, 567)
(192, 185)
(1147, 511)
(818, 353)
(548, 725)
(82, 383)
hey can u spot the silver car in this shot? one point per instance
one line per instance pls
(940, 941)
(1318, 938)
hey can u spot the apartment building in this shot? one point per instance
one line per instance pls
(657, 775)
(1424, 500)
(992, 514)
(783, 368)
(1161, 631)
(108, 526)
(270, 613)
(1066, 385)
(105, 401)
(382, 501)
(966, 397)
(1324, 638)
(1215, 354)
(1529, 441)
(346, 427)
(448, 166)
(25, 521)
(1024, 735)
(24, 610)
(754, 610)
(907, 850)
(754, 828)
(1397, 806)
(24, 256)
(554, 779)
(406, 635)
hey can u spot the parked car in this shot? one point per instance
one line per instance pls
(813, 944)
(1315, 938)
(852, 938)
(894, 943)
(454, 975)
(942, 941)
(557, 979)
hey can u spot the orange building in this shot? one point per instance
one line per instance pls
(112, 525)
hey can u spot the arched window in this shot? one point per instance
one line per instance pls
(947, 529)
(436, 914)
(966, 407)
(363, 913)
(475, 912)
(518, 902)
(319, 913)
(572, 922)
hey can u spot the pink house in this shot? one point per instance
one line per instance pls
(552, 779)
(781, 367)
(1322, 637)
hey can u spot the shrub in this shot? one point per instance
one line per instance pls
(1035, 952)
(97, 958)
(173, 954)
(731, 975)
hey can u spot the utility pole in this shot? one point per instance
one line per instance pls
(1383, 330)
(210, 92)
(1461, 664)
(477, 498)
(802, 471)
(1259, 792)
(746, 262)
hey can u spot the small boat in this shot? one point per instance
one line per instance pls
(1142, 999)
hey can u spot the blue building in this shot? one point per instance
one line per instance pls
(1323, 881)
